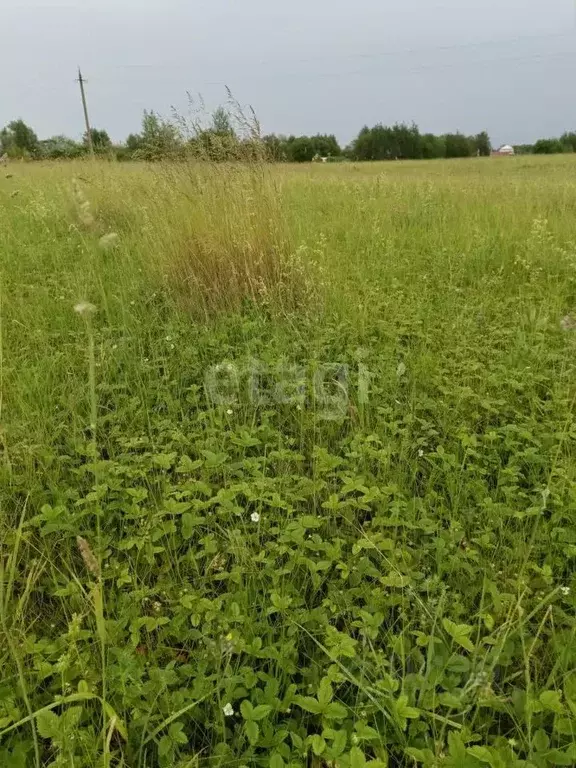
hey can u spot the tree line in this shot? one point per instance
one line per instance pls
(222, 139)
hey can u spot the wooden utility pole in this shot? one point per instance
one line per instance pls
(86, 119)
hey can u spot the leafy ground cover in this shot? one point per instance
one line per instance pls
(287, 472)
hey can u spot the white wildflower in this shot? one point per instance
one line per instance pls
(85, 309)
(255, 517)
(420, 453)
(229, 411)
(228, 710)
(565, 590)
(109, 241)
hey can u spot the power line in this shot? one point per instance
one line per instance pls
(381, 54)
(405, 70)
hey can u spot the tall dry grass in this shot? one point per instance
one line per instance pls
(226, 240)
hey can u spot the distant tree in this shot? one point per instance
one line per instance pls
(275, 147)
(362, 146)
(407, 141)
(433, 146)
(60, 147)
(377, 143)
(219, 141)
(100, 140)
(569, 141)
(326, 145)
(548, 147)
(222, 123)
(458, 145)
(18, 140)
(160, 139)
(482, 144)
(300, 149)
(399, 141)
(134, 142)
(523, 149)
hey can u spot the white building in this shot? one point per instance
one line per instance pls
(505, 149)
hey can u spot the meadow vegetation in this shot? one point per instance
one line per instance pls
(287, 467)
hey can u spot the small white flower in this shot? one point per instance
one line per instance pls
(565, 590)
(168, 338)
(109, 241)
(228, 710)
(85, 309)
(229, 411)
(420, 453)
(255, 517)
(114, 346)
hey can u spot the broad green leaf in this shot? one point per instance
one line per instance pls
(187, 465)
(404, 712)
(459, 633)
(48, 724)
(365, 732)
(551, 701)
(481, 753)
(559, 757)
(318, 744)
(164, 746)
(260, 712)
(70, 718)
(357, 759)
(246, 709)
(175, 731)
(189, 522)
(252, 731)
(339, 744)
(541, 740)
(325, 692)
(276, 761)
(335, 711)
(309, 704)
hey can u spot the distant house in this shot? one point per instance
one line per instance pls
(504, 151)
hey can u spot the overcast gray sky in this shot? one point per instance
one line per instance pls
(306, 66)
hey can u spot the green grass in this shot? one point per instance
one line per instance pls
(318, 441)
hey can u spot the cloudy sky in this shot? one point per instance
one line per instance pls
(307, 66)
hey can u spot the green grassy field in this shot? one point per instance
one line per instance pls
(287, 465)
